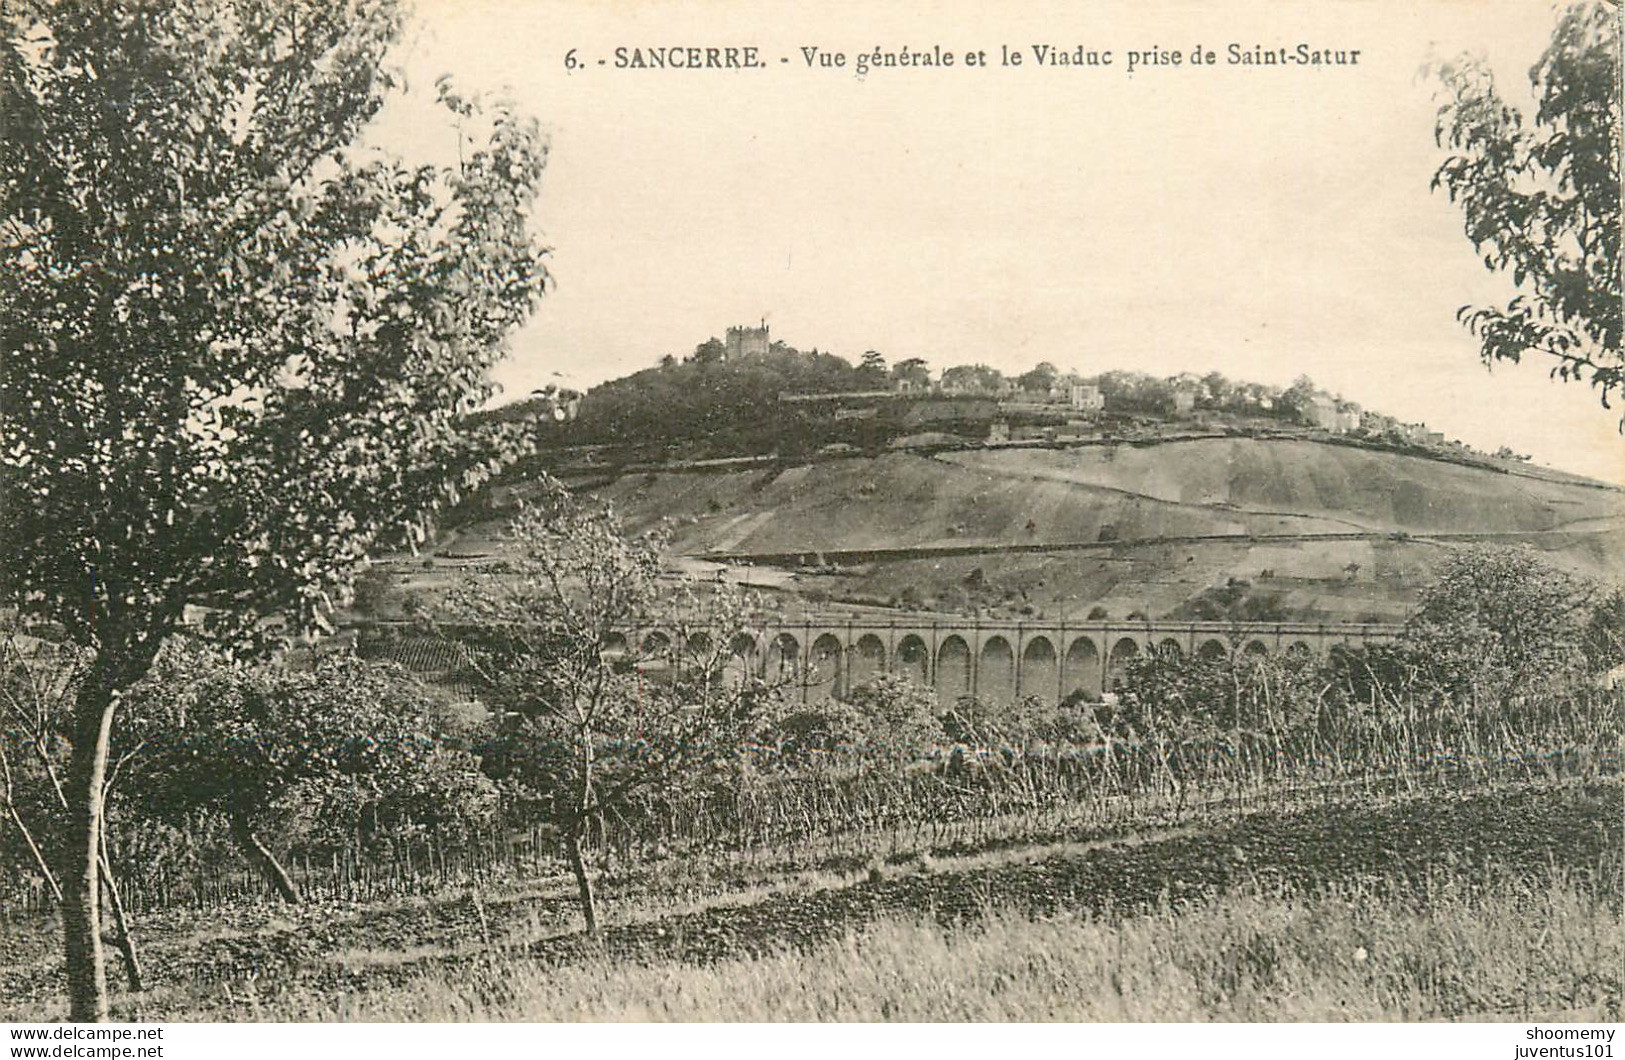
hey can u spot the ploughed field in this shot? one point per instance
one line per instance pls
(1502, 901)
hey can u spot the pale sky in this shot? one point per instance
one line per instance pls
(1258, 221)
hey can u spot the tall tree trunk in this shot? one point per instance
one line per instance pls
(578, 865)
(579, 822)
(262, 858)
(81, 881)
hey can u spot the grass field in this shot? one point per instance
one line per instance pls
(1497, 902)
(1518, 948)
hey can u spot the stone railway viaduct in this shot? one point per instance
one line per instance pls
(831, 655)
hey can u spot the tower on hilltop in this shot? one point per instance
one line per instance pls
(745, 341)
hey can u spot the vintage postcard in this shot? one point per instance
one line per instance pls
(731, 512)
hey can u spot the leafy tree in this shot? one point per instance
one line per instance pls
(593, 718)
(1297, 399)
(898, 716)
(912, 371)
(730, 404)
(711, 351)
(972, 377)
(1040, 378)
(1221, 391)
(239, 349)
(1498, 623)
(1257, 394)
(1136, 391)
(822, 728)
(1541, 198)
(872, 369)
(359, 747)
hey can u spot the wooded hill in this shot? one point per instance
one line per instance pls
(709, 405)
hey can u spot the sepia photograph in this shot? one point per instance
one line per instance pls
(722, 512)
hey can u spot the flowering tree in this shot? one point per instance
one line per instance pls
(238, 348)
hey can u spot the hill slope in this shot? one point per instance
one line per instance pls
(1210, 527)
(1025, 496)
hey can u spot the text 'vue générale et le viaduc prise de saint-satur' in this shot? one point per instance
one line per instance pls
(697, 57)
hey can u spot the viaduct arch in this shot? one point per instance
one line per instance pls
(830, 655)
(827, 656)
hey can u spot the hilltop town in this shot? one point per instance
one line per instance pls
(1048, 493)
(747, 394)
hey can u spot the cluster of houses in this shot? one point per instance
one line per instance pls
(1048, 404)
(1070, 406)
(1184, 396)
